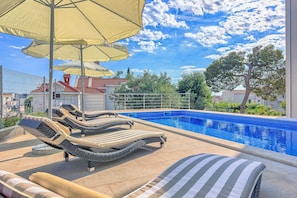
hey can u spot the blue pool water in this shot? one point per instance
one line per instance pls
(279, 135)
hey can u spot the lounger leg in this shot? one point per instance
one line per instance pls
(66, 156)
(91, 168)
(163, 140)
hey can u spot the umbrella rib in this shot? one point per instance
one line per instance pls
(45, 3)
(10, 9)
(91, 23)
(116, 13)
(57, 5)
(109, 57)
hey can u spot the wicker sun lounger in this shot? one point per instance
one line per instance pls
(91, 126)
(206, 175)
(102, 147)
(88, 114)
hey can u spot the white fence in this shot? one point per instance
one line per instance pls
(149, 101)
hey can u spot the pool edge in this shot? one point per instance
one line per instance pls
(263, 153)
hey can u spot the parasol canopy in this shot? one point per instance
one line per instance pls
(71, 22)
(89, 53)
(91, 69)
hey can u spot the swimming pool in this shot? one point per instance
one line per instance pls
(279, 135)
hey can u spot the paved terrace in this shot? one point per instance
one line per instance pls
(123, 176)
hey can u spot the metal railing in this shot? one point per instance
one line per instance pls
(150, 101)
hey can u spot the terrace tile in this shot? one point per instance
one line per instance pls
(122, 176)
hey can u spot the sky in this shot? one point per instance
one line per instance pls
(178, 37)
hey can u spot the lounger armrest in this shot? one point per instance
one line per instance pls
(64, 187)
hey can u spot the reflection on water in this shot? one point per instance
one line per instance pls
(274, 139)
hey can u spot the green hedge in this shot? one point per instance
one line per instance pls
(14, 120)
(251, 108)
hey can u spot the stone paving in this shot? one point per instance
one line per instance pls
(122, 176)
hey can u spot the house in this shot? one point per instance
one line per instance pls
(9, 104)
(62, 93)
(95, 93)
(236, 96)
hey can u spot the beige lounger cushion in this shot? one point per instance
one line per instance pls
(64, 187)
(88, 123)
(99, 141)
(116, 138)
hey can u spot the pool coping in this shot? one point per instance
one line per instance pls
(259, 152)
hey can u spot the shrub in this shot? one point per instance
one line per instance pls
(41, 114)
(1, 123)
(11, 121)
(251, 108)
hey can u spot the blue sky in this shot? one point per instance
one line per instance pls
(178, 36)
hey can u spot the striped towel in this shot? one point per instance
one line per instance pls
(205, 175)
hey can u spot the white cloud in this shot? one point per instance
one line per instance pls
(278, 40)
(209, 36)
(156, 13)
(188, 44)
(188, 6)
(149, 40)
(136, 70)
(148, 34)
(250, 38)
(148, 46)
(238, 18)
(213, 56)
(16, 47)
(257, 16)
(187, 69)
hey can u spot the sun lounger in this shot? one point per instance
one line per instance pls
(206, 175)
(91, 126)
(88, 114)
(102, 147)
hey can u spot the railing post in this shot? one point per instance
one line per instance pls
(189, 101)
(125, 101)
(143, 101)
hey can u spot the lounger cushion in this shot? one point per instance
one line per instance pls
(12, 185)
(64, 187)
(205, 175)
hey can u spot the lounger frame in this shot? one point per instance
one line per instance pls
(53, 135)
(76, 112)
(68, 120)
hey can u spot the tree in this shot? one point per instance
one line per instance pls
(160, 91)
(148, 83)
(118, 74)
(129, 75)
(28, 105)
(262, 71)
(195, 84)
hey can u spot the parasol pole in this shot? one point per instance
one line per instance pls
(50, 84)
(82, 83)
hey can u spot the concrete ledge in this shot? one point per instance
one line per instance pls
(10, 132)
(263, 153)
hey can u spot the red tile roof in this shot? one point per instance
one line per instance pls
(97, 85)
(91, 90)
(41, 88)
(67, 88)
